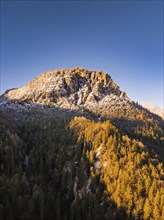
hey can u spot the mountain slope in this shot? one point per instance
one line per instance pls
(91, 92)
(73, 146)
(153, 108)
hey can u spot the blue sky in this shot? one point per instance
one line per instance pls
(123, 38)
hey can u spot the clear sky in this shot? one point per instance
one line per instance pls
(123, 38)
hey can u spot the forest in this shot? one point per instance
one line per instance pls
(77, 168)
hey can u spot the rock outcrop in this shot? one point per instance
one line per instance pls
(74, 88)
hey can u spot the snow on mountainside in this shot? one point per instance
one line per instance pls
(153, 108)
(75, 89)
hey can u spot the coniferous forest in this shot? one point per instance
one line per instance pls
(78, 167)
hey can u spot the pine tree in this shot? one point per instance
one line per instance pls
(147, 209)
(156, 204)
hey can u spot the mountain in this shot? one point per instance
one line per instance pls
(79, 90)
(153, 108)
(75, 88)
(74, 146)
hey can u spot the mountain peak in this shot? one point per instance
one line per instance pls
(76, 89)
(68, 88)
(80, 73)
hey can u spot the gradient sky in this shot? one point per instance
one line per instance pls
(123, 38)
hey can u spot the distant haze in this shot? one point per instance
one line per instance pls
(153, 108)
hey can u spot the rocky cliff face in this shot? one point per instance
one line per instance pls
(75, 89)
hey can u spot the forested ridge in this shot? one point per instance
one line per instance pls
(79, 168)
(73, 146)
